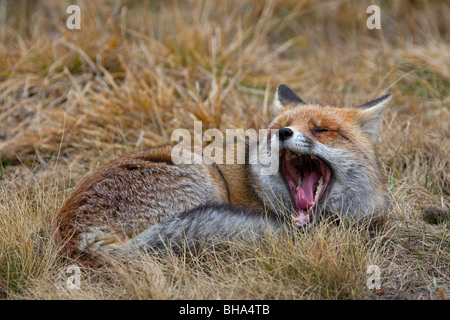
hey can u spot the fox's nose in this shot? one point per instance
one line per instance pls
(285, 133)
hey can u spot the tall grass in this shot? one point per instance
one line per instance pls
(72, 99)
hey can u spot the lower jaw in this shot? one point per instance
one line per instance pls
(302, 220)
(306, 220)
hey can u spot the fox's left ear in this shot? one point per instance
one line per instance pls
(284, 97)
(370, 114)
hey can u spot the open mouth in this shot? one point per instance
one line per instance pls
(308, 178)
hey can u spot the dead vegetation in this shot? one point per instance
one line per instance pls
(72, 99)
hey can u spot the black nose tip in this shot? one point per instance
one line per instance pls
(285, 133)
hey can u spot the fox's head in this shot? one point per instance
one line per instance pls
(327, 159)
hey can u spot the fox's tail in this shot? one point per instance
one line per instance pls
(207, 224)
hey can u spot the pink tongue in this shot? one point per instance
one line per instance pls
(305, 197)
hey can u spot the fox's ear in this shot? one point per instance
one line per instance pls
(370, 114)
(285, 96)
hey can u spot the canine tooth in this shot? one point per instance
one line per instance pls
(299, 182)
(289, 155)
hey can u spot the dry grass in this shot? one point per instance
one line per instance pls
(70, 100)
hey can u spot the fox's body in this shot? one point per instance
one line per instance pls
(143, 200)
(140, 189)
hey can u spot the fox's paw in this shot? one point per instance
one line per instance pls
(97, 241)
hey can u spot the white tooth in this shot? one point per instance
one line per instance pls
(319, 189)
(289, 155)
(313, 157)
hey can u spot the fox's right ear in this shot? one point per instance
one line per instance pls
(284, 96)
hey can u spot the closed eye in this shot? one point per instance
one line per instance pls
(322, 130)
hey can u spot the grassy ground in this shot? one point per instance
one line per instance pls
(72, 99)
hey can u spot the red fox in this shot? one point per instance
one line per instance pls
(142, 201)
